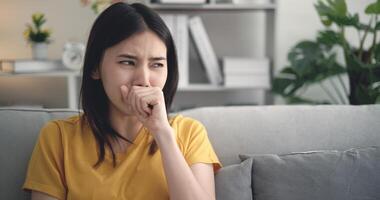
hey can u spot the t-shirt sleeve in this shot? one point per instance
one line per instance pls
(45, 171)
(198, 148)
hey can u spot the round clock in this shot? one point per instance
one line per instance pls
(73, 55)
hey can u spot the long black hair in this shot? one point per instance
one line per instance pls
(115, 24)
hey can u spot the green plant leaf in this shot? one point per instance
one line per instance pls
(329, 38)
(35, 33)
(373, 8)
(331, 10)
(279, 85)
(377, 53)
(348, 20)
(287, 82)
(304, 56)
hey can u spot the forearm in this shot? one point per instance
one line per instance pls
(181, 181)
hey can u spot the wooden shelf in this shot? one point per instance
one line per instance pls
(214, 7)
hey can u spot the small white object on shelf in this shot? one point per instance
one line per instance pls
(252, 81)
(73, 55)
(205, 50)
(30, 66)
(242, 65)
(249, 72)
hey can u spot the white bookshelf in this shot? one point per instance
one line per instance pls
(262, 95)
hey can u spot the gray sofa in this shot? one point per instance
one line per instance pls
(268, 136)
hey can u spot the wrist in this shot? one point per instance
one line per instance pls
(164, 135)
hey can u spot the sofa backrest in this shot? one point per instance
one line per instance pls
(232, 130)
(286, 129)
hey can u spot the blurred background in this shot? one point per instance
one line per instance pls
(255, 31)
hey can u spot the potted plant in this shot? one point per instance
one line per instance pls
(38, 37)
(314, 62)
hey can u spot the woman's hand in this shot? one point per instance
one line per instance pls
(148, 104)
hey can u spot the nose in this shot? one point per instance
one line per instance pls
(141, 77)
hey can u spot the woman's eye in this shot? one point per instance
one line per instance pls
(158, 65)
(126, 62)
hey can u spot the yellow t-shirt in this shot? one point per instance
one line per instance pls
(62, 160)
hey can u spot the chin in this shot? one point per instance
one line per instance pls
(121, 109)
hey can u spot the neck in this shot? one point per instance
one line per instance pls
(126, 125)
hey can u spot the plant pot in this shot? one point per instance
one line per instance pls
(39, 51)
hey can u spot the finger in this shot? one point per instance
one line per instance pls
(135, 102)
(144, 100)
(124, 92)
(141, 89)
(131, 100)
(146, 107)
(139, 106)
(150, 101)
(145, 91)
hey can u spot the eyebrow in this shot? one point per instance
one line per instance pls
(134, 57)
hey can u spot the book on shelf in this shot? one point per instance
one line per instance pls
(30, 66)
(177, 25)
(197, 74)
(205, 50)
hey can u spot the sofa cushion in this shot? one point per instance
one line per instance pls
(234, 181)
(351, 174)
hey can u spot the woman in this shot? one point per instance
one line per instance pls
(125, 145)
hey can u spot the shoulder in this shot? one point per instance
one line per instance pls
(183, 122)
(59, 127)
(187, 128)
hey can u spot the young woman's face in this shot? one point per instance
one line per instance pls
(139, 60)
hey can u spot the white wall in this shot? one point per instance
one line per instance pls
(296, 20)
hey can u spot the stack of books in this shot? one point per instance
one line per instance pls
(246, 72)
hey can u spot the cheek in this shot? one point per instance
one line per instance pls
(159, 79)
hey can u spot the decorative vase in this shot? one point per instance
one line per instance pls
(39, 50)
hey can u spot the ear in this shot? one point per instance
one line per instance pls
(95, 74)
